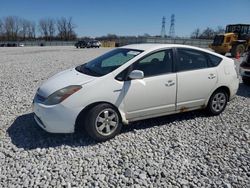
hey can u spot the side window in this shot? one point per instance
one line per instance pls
(159, 56)
(189, 59)
(214, 60)
(156, 63)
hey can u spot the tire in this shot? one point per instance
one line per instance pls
(238, 48)
(104, 117)
(246, 80)
(217, 102)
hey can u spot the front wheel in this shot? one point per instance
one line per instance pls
(217, 102)
(102, 122)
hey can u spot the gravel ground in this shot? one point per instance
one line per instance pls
(185, 150)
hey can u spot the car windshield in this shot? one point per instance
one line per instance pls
(108, 62)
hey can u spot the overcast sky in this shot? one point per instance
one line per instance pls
(132, 17)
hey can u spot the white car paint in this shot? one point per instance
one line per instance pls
(139, 94)
(134, 99)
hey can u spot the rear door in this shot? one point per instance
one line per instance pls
(195, 78)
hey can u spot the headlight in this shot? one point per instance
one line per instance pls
(60, 95)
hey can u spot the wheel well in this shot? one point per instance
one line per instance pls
(224, 88)
(84, 111)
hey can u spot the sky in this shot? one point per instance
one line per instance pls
(132, 17)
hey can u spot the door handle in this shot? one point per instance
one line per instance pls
(211, 76)
(169, 83)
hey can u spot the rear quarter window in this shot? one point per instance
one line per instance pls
(213, 60)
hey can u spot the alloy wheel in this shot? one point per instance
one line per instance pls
(219, 101)
(107, 122)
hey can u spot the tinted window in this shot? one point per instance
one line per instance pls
(156, 63)
(214, 60)
(190, 60)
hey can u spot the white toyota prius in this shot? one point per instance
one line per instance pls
(132, 83)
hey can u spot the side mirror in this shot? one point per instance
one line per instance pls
(136, 74)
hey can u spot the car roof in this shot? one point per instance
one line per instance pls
(156, 46)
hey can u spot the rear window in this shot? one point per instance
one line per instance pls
(214, 60)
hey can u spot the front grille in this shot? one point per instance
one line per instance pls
(218, 40)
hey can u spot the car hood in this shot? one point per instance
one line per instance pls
(63, 79)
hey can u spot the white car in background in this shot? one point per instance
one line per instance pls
(132, 83)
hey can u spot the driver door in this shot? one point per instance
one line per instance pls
(155, 94)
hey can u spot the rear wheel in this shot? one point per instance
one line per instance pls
(238, 49)
(102, 122)
(217, 102)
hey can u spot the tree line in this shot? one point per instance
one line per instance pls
(208, 33)
(13, 28)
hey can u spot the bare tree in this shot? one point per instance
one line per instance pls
(208, 33)
(196, 33)
(32, 30)
(12, 27)
(1, 30)
(44, 28)
(66, 28)
(51, 27)
(1, 27)
(47, 28)
(62, 27)
(15, 28)
(24, 28)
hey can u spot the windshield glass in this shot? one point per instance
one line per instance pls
(108, 62)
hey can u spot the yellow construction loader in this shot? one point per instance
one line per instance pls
(235, 40)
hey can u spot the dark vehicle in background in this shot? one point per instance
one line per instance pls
(245, 68)
(94, 44)
(81, 44)
(9, 44)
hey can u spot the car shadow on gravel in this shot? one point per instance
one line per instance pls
(26, 134)
(244, 90)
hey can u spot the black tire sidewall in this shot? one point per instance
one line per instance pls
(90, 120)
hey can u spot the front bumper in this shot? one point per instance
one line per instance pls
(54, 119)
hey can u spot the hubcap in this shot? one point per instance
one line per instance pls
(219, 102)
(106, 122)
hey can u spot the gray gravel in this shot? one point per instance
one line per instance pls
(186, 150)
